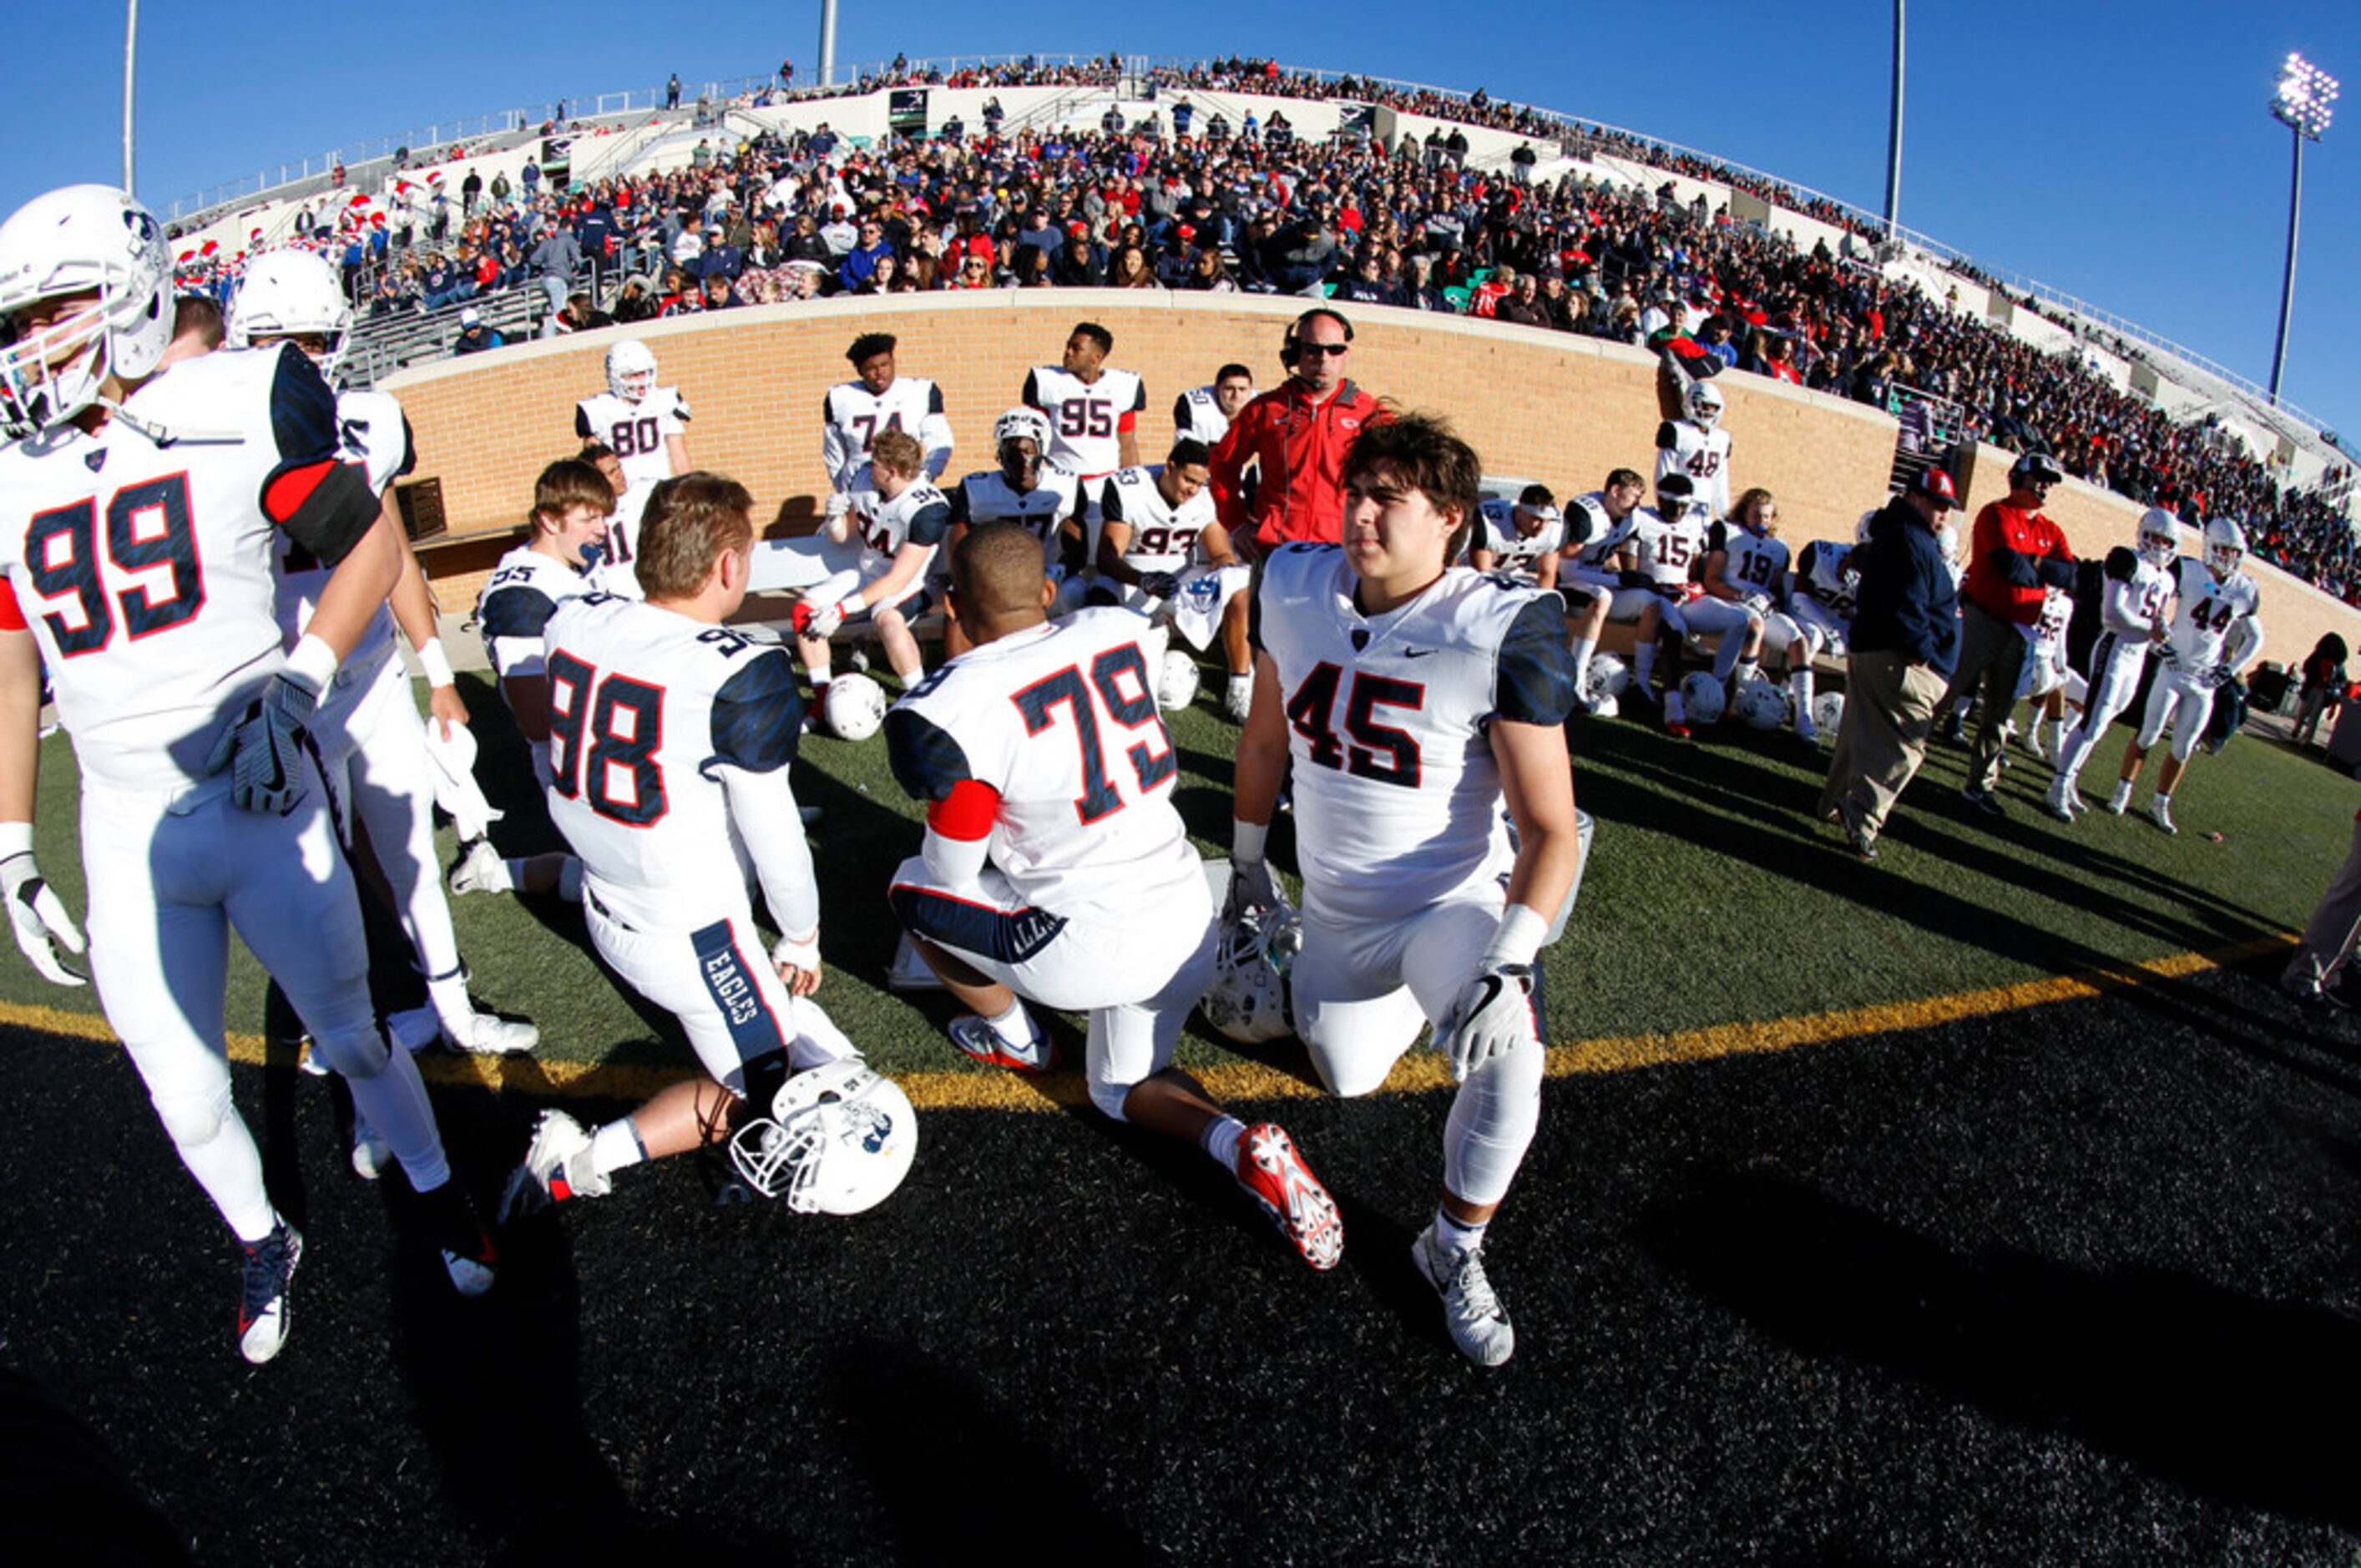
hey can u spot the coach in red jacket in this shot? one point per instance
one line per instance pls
(1297, 433)
(2015, 557)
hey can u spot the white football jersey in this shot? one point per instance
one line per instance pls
(1512, 552)
(852, 416)
(513, 612)
(2209, 607)
(2050, 628)
(2132, 608)
(1667, 549)
(637, 432)
(1606, 537)
(1397, 794)
(1163, 536)
(146, 572)
(1820, 574)
(1062, 720)
(921, 514)
(1754, 564)
(371, 431)
(1685, 447)
(644, 707)
(1087, 418)
(1197, 413)
(987, 498)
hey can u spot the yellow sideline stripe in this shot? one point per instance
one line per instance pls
(1416, 1073)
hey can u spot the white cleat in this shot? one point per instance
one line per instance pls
(2060, 802)
(557, 1167)
(483, 1035)
(481, 870)
(266, 1272)
(2160, 811)
(1479, 1325)
(371, 1154)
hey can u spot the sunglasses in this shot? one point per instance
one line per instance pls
(1316, 350)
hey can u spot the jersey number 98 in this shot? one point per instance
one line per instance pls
(623, 719)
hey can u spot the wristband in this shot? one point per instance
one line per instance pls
(1519, 938)
(436, 663)
(312, 663)
(1246, 838)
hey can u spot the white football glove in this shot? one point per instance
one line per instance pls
(264, 750)
(788, 952)
(1493, 1015)
(41, 921)
(838, 508)
(1252, 890)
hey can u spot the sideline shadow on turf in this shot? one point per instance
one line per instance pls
(2190, 1381)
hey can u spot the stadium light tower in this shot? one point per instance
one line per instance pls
(1894, 135)
(131, 53)
(2305, 104)
(827, 43)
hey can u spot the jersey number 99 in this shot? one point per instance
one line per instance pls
(149, 528)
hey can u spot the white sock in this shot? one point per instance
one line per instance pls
(1241, 683)
(1583, 649)
(616, 1146)
(819, 676)
(1454, 1234)
(1747, 670)
(2123, 792)
(1220, 1140)
(1013, 1026)
(1643, 663)
(2160, 802)
(449, 994)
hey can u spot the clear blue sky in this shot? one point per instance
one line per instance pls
(2119, 152)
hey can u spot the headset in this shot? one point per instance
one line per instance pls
(1287, 345)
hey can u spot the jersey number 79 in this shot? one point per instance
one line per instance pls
(1152, 759)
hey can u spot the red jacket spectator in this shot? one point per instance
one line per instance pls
(2003, 527)
(1300, 445)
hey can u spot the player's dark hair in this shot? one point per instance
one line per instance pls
(1096, 333)
(997, 571)
(1424, 453)
(1619, 478)
(1537, 496)
(1188, 450)
(568, 483)
(896, 451)
(869, 345)
(691, 521)
(1232, 368)
(199, 316)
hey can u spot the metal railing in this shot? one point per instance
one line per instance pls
(1175, 71)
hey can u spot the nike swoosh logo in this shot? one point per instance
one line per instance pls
(1419, 653)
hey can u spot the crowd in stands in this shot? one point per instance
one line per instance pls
(1190, 201)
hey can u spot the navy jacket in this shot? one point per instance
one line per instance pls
(1908, 604)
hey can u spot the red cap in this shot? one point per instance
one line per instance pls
(1935, 483)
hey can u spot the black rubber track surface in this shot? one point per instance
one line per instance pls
(2076, 1285)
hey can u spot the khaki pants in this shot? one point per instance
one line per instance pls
(1889, 711)
(2335, 925)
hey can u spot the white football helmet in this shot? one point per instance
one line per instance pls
(1704, 404)
(1947, 539)
(1828, 713)
(1861, 529)
(631, 370)
(838, 1140)
(292, 293)
(1247, 1001)
(1176, 681)
(82, 239)
(2158, 540)
(1606, 680)
(1030, 423)
(1762, 705)
(2225, 546)
(854, 707)
(1703, 697)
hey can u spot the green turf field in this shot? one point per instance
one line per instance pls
(1712, 897)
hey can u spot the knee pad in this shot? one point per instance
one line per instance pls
(359, 1053)
(192, 1121)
